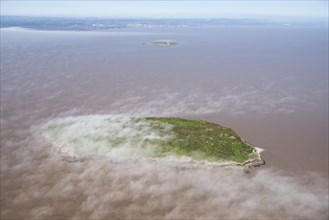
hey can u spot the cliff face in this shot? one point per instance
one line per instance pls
(93, 136)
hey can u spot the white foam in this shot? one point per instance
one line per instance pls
(259, 150)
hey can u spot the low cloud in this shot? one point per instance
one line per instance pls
(39, 185)
(36, 183)
(265, 99)
(105, 135)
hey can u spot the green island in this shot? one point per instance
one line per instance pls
(164, 43)
(150, 137)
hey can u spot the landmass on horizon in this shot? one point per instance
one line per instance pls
(103, 24)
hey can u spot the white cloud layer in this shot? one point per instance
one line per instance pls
(39, 185)
(266, 99)
(104, 135)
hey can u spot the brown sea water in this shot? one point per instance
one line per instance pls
(270, 84)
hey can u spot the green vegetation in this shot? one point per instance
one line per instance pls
(152, 137)
(202, 140)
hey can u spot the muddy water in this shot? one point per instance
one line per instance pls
(268, 83)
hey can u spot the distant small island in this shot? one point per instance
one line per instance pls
(151, 137)
(164, 43)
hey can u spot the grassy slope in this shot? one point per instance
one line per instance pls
(197, 139)
(203, 140)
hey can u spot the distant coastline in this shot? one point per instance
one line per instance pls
(103, 24)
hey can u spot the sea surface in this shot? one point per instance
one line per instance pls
(267, 82)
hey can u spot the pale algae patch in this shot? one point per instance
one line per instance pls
(153, 138)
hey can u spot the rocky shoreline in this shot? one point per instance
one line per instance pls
(181, 163)
(252, 164)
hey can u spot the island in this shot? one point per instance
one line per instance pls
(164, 43)
(154, 138)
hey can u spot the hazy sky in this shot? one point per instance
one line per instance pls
(205, 9)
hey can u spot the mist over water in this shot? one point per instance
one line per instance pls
(270, 84)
